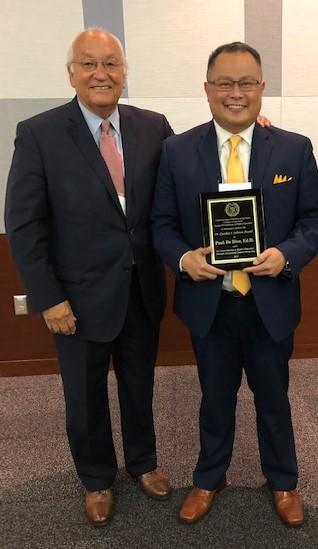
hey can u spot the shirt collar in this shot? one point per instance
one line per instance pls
(223, 135)
(94, 121)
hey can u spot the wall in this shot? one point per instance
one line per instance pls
(167, 45)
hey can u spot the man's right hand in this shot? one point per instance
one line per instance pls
(60, 319)
(194, 263)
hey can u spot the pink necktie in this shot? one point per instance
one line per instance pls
(112, 158)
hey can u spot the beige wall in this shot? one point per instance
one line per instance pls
(167, 44)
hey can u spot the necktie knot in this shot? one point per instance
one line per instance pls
(235, 172)
(235, 140)
(105, 126)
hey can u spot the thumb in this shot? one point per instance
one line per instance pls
(207, 250)
(261, 258)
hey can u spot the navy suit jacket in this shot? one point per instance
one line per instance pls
(190, 165)
(68, 234)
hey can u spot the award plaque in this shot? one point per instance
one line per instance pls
(233, 224)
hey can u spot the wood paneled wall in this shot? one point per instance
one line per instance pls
(27, 348)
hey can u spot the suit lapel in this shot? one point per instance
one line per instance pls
(85, 142)
(208, 152)
(260, 155)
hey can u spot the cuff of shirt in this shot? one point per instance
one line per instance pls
(181, 259)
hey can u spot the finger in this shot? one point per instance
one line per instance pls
(48, 324)
(71, 327)
(260, 259)
(211, 270)
(207, 250)
(53, 326)
(207, 276)
(67, 326)
(219, 272)
(256, 269)
(59, 326)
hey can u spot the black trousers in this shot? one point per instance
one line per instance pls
(84, 367)
(237, 340)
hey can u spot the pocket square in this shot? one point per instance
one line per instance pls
(281, 179)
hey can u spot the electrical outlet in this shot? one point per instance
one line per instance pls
(20, 304)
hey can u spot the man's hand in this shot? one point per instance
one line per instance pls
(60, 319)
(269, 263)
(195, 264)
(263, 121)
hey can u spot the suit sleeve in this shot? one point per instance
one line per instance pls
(167, 234)
(302, 244)
(27, 220)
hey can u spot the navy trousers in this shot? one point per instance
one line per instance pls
(84, 367)
(237, 340)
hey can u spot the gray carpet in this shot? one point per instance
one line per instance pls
(41, 498)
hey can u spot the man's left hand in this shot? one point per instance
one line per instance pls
(269, 263)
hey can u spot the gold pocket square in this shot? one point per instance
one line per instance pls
(281, 179)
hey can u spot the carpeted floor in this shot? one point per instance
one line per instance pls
(41, 498)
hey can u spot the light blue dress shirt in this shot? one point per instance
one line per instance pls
(94, 123)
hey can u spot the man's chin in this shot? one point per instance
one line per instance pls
(237, 124)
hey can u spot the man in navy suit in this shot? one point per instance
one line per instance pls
(232, 329)
(85, 255)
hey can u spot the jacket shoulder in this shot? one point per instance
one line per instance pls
(191, 135)
(140, 114)
(50, 116)
(285, 135)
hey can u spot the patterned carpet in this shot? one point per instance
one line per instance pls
(41, 498)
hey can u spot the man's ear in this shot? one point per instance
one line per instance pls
(70, 75)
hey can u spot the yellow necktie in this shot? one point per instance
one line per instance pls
(235, 174)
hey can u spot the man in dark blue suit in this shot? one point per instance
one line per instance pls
(234, 328)
(85, 254)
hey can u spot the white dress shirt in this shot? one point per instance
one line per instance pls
(244, 151)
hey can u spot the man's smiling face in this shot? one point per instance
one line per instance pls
(98, 89)
(234, 110)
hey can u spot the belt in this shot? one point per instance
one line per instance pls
(235, 293)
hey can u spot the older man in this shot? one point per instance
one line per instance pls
(78, 202)
(239, 319)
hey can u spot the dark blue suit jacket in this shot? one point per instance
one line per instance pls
(67, 231)
(189, 166)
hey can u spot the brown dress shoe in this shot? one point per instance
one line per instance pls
(198, 503)
(289, 507)
(99, 507)
(155, 484)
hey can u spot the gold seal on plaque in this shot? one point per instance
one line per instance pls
(232, 209)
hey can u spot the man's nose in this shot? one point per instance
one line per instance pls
(236, 90)
(101, 71)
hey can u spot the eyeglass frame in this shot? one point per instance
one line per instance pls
(232, 83)
(107, 65)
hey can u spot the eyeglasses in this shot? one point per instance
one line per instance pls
(91, 65)
(245, 85)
